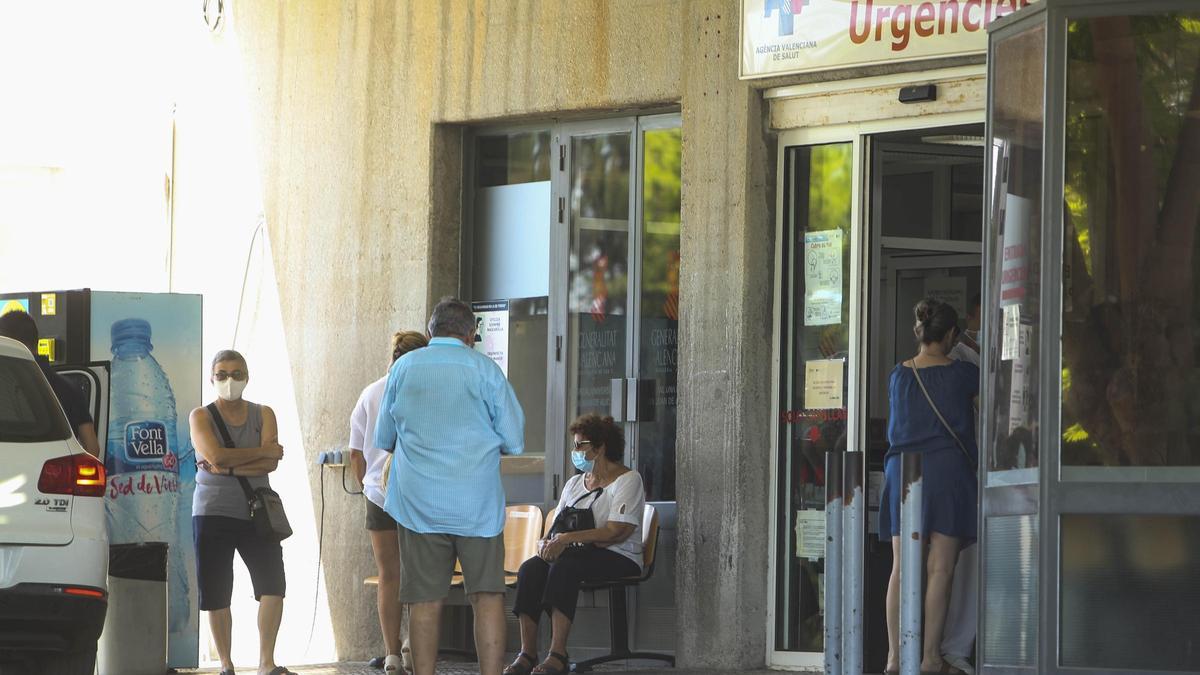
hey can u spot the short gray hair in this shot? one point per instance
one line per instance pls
(452, 317)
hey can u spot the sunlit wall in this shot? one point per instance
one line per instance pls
(127, 162)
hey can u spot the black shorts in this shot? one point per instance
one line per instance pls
(378, 520)
(217, 537)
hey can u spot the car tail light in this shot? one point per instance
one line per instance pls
(84, 592)
(81, 475)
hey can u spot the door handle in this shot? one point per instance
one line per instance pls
(632, 396)
(617, 406)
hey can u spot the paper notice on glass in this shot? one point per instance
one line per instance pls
(1014, 270)
(950, 290)
(491, 331)
(1018, 398)
(810, 534)
(1010, 337)
(823, 384)
(823, 278)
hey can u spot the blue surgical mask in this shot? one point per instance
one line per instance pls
(581, 462)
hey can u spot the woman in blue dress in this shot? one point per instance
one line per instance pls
(948, 510)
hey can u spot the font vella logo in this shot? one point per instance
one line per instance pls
(788, 11)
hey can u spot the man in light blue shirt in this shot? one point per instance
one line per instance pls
(447, 414)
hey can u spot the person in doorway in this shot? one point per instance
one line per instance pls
(970, 336)
(549, 582)
(220, 516)
(368, 463)
(448, 413)
(21, 327)
(958, 637)
(931, 400)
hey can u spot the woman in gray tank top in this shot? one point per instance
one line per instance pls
(221, 515)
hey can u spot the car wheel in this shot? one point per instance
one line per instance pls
(78, 662)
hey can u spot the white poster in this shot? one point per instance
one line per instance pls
(491, 331)
(791, 36)
(823, 278)
(950, 290)
(1010, 333)
(810, 534)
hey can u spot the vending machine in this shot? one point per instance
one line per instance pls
(138, 359)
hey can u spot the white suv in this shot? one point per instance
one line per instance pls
(53, 538)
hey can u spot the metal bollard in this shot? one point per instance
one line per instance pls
(833, 563)
(911, 566)
(853, 539)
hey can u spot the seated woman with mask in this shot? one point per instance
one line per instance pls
(611, 549)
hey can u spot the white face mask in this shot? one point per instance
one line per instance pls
(230, 389)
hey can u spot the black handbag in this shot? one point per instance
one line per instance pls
(572, 519)
(266, 508)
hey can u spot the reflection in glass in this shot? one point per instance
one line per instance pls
(509, 159)
(598, 269)
(1131, 386)
(1130, 592)
(816, 320)
(1012, 313)
(659, 311)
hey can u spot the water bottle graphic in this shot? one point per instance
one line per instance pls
(142, 456)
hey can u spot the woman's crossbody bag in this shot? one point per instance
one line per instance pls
(572, 519)
(937, 412)
(266, 508)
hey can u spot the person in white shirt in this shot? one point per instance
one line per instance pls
(612, 549)
(958, 638)
(369, 463)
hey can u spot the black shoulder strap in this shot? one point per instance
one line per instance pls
(598, 491)
(220, 422)
(228, 440)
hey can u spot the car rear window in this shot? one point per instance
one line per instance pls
(29, 411)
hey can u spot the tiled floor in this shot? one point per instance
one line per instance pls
(463, 668)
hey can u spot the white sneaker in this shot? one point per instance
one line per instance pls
(959, 662)
(392, 664)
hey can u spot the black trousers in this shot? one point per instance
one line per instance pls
(543, 586)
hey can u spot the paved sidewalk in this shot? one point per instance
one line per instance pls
(470, 668)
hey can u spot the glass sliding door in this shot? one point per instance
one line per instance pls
(815, 357)
(511, 221)
(1011, 362)
(658, 307)
(599, 219)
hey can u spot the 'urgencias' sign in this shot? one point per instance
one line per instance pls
(790, 36)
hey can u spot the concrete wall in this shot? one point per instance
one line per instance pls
(359, 107)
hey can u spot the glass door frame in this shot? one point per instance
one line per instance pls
(861, 260)
(557, 466)
(1051, 490)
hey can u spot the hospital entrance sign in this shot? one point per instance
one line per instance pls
(781, 37)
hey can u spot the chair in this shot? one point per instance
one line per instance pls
(618, 618)
(522, 529)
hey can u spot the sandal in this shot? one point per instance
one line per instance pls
(543, 669)
(522, 665)
(280, 670)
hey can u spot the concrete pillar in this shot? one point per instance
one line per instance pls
(724, 441)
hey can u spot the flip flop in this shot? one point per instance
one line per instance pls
(280, 670)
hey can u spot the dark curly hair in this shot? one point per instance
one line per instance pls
(603, 432)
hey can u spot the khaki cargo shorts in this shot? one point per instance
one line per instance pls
(427, 564)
